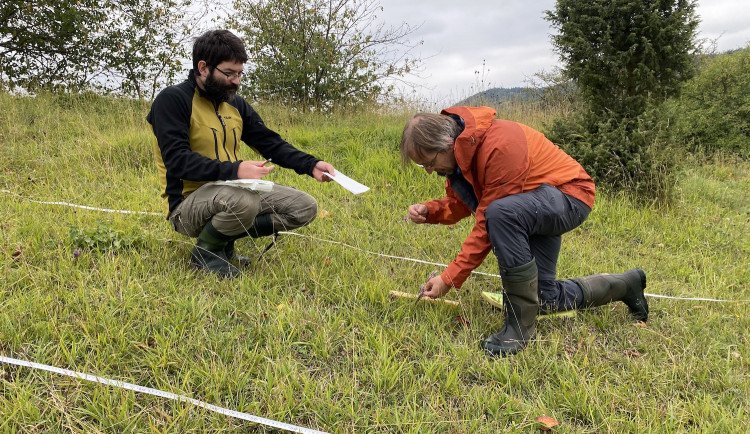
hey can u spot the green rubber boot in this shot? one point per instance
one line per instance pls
(521, 306)
(262, 226)
(601, 289)
(232, 255)
(208, 253)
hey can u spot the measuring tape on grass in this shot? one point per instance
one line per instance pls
(160, 393)
(352, 247)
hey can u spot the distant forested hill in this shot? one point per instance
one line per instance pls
(499, 95)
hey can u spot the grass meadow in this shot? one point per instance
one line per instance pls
(309, 335)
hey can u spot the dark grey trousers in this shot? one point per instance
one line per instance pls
(530, 225)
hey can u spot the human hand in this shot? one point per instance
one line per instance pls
(253, 170)
(435, 287)
(418, 213)
(321, 167)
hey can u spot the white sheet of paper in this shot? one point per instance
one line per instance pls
(348, 183)
(250, 184)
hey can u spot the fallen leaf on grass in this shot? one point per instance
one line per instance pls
(161, 413)
(632, 353)
(18, 252)
(547, 422)
(324, 214)
(641, 324)
(150, 343)
(462, 320)
(327, 261)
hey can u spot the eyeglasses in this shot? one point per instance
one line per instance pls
(229, 76)
(429, 165)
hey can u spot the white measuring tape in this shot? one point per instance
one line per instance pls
(83, 206)
(160, 393)
(380, 254)
(356, 248)
(489, 274)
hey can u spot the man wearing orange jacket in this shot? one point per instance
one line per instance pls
(524, 192)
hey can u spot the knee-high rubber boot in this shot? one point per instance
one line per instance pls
(208, 253)
(232, 255)
(521, 306)
(262, 226)
(627, 287)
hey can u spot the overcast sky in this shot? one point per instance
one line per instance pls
(513, 39)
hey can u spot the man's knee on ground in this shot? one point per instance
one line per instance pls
(549, 293)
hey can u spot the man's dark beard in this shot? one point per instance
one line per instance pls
(216, 91)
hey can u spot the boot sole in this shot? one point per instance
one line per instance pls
(643, 277)
(497, 351)
(640, 301)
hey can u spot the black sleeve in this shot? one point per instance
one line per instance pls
(170, 120)
(270, 145)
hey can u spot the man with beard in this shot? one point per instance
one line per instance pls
(198, 125)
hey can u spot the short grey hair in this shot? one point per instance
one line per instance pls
(427, 133)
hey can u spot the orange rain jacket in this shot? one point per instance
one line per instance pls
(500, 158)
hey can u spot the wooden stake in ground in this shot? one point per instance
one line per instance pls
(413, 296)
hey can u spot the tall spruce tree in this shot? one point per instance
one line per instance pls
(623, 56)
(624, 53)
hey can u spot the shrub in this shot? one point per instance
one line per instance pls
(622, 153)
(713, 111)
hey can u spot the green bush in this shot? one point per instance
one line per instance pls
(621, 153)
(713, 111)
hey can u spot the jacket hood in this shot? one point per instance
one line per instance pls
(477, 120)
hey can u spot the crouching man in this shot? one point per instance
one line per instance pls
(199, 125)
(524, 193)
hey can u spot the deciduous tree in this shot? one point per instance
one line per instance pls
(317, 53)
(46, 43)
(132, 47)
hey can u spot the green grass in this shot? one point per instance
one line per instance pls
(309, 334)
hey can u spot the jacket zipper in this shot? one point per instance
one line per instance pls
(224, 129)
(216, 144)
(236, 145)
